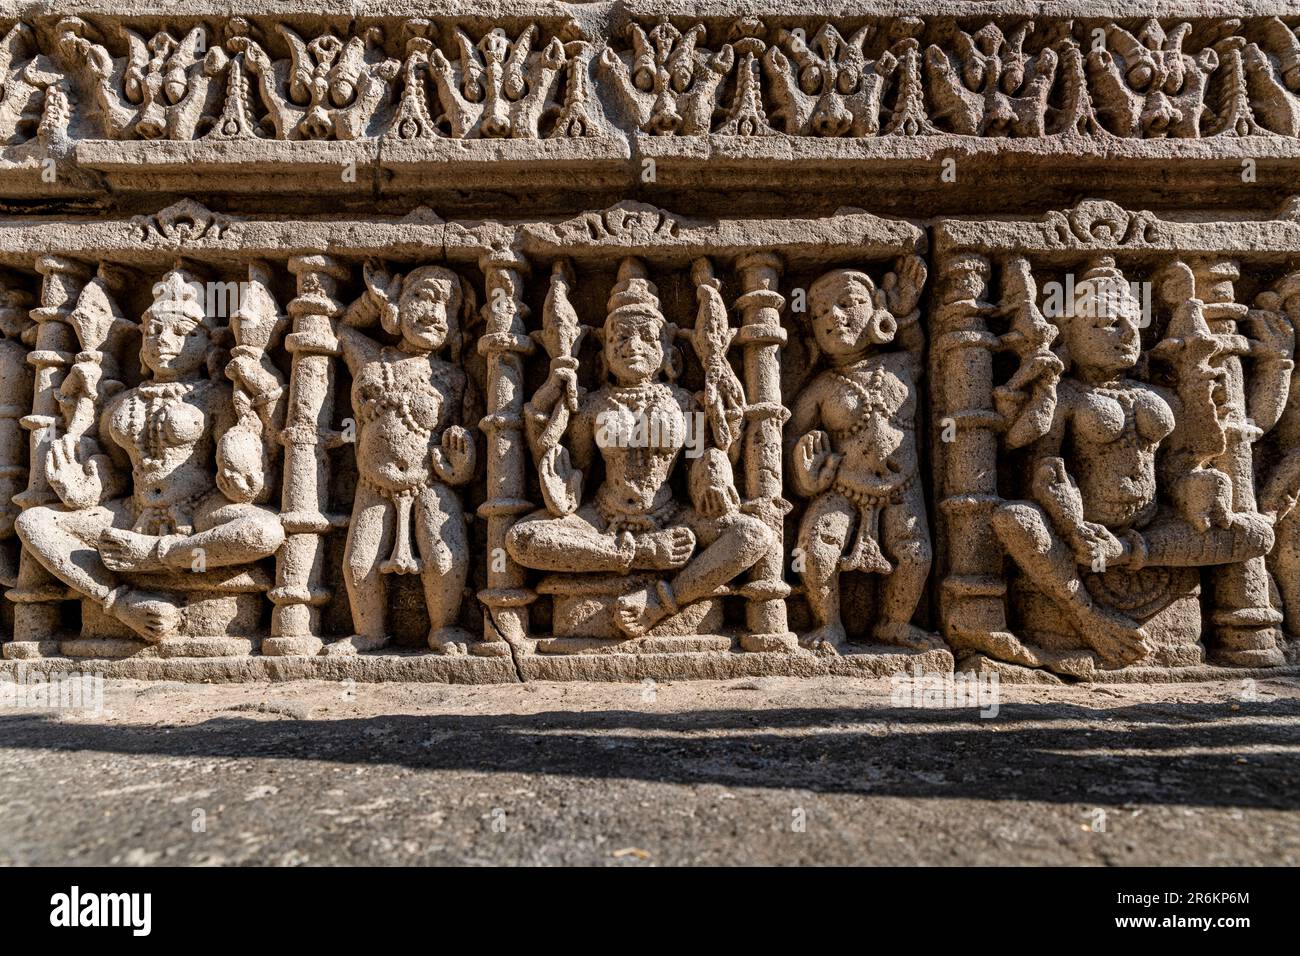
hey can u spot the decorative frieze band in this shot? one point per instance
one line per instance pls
(601, 89)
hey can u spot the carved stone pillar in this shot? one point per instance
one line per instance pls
(1245, 623)
(504, 344)
(761, 337)
(37, 594)
(966, 430)
(307, 436)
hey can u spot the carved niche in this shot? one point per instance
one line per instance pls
(1106, 389)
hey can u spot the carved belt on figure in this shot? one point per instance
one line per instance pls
(402, 560)
(865, 555)
(617, 522)
(167, 517)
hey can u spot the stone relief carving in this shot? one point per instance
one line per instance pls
(631, 557)
(35, 105)
(1123, 482)
(988, 86)
(853, 452)
(425, 77)
(330, 87)
(826, 85)
(1146, 85)
(811, 443)
(159, 90)
(412, 449)
(160, 518)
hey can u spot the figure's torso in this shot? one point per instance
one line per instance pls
(402, 403)
(869, 408)
(1115, 431)
(640, 432)
(168, 431)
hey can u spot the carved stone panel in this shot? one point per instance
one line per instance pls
(1111, 400)
(636, 341)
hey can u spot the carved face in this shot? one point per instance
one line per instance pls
(1103, 334)
(425, 311)
(175, 342)
(634, 348)
(846, 319)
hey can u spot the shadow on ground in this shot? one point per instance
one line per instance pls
(1197, 754)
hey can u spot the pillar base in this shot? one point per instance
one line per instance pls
(787, 643)
(306, 646)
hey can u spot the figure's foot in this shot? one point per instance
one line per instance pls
(489, 649)
(1116, 638)
(665, 550)
(356, 644)
(827, 641)
(152, 616)
(122, 550)
(449, 640)
(642, 609)
(902, 634)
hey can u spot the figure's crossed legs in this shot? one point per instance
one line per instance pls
(90, 549)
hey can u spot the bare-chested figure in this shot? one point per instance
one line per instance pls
(412, 450)
(852, 450)
(165, 434)
(637, 424)
(1121, 478)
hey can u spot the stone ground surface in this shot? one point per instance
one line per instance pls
(314, 772)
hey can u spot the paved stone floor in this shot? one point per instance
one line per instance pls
(746, 771)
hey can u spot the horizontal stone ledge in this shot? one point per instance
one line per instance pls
(415, 668)
(344, 10)
(435, 669)
(626, 228)
(270, 167)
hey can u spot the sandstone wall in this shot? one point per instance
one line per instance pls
(625, 340)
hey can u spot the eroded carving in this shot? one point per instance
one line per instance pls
(853, 452)
(161, 515)
(413, 450)
(1126, 495)
(628, 557)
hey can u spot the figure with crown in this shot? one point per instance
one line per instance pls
(670, 555)
(1126, 499)
(161, 482)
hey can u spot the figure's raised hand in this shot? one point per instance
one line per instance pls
(561, 386)
(455, 460)
(79, 484)
(903, 286)
(1270, 328)
(716, 502)
(815, 463)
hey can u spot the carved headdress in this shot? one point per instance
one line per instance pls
(634, 294)
(179, 293)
